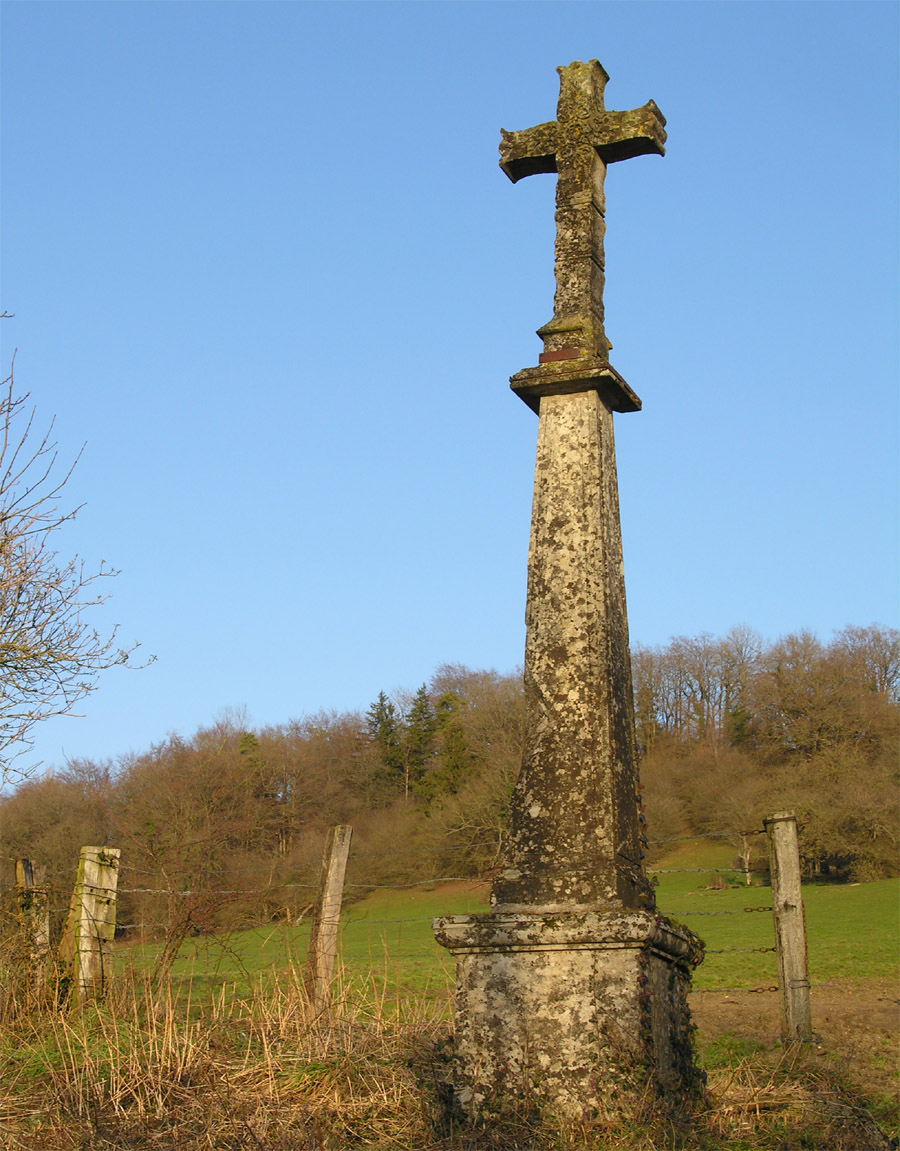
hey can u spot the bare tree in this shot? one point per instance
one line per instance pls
(50, 654)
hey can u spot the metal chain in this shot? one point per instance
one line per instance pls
(733, 990)
(734, 911)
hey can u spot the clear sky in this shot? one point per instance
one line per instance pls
(262, 260)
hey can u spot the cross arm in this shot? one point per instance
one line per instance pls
(621, 135)
(529, 151)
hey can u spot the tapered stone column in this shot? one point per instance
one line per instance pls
(572, 992)
(574, 838)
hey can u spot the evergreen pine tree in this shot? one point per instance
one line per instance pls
(453, 758)
(419, 737)
(385, 732)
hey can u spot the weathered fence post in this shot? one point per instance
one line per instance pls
(91, 921)
(34, 917)
(326, 917)
(34, 907)
(790, 929)
(745, 858)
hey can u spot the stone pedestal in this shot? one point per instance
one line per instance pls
(570, 1013)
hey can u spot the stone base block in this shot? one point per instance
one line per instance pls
(570, 1013)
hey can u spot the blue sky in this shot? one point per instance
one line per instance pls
(263, 262)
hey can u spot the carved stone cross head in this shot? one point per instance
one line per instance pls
(578, 145)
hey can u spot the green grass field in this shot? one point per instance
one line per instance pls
(853, 931)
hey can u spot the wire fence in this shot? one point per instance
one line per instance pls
(191, 908)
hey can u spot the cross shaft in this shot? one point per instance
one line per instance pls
(578, 145)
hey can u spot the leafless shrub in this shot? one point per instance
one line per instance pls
(50, 655)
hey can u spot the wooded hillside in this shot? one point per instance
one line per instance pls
(729, 729)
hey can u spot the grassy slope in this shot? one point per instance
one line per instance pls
(838, 917)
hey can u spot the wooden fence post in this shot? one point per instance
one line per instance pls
(91, 921)
(745, 859)
(34, 916)
(790, 929)
(326, 918)
(34, 907)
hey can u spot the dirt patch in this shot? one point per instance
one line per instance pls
(846, 1013)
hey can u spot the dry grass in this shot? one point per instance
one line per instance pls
(790, 1099)
(149, 1070)
(146, 1069)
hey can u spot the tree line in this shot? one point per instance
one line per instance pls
(731, 728)
(227, 826)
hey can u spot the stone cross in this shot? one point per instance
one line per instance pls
(578, 145)
(574, 822)
(571, 992)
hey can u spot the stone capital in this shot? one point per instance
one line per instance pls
(509, 931)
(574, 373)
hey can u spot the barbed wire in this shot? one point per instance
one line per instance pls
(218, 890)
(348, 921)
(708, 835)
(439, 849)
(732, 950)
(315, 865)
(286, 885)
(311, 867)
(584, 863)
(703, 870)
(300, 886)
(367, 953)
(418, 883)
(424, 850)
(429, 882)
(404, 919)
